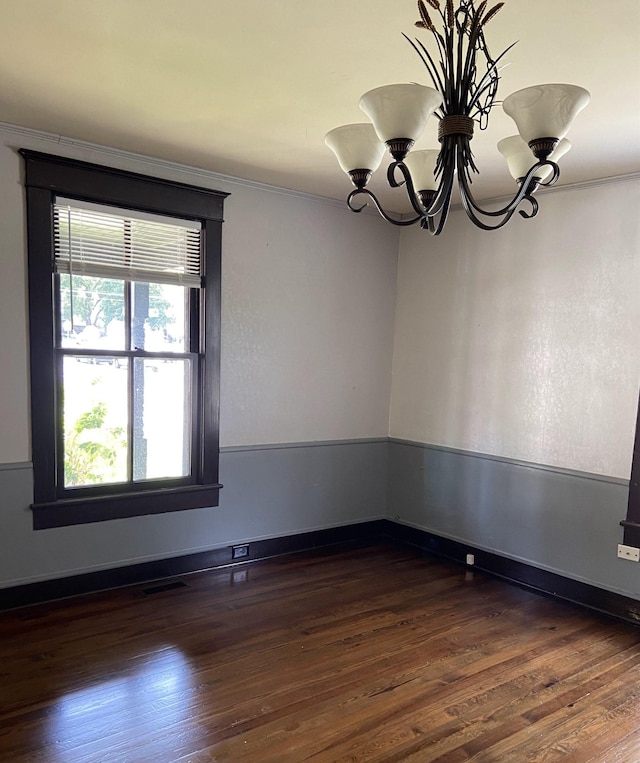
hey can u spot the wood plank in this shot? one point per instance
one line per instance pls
(369, 654)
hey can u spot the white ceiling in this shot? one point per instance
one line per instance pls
(249, 87)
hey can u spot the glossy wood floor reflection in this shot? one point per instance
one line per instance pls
(359, 654)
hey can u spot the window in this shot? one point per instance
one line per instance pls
(632, 523)
(124, 305)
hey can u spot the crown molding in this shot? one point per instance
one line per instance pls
(157, 164)
(216, 177)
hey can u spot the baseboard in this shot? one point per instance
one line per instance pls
(520, 573)
(117, 577)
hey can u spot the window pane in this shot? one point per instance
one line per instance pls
(95, 420)
(92, 312)
(160, 319)
(161, 419)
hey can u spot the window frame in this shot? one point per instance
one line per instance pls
(46, 177)
(632, 523)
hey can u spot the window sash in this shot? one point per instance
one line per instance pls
(130, 484)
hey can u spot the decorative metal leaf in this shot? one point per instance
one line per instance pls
(424, 14)
(481, 8)
(491, 13)
(450, 14)
(477, 23)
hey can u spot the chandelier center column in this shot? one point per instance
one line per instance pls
(455, 124)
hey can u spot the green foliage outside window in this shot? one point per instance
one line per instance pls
(90, 448)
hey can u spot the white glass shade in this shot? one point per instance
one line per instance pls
(422, 167)
(400, 111)
(545, 111)
(520, 158)
(357, 147)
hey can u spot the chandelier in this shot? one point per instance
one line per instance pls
(465, 79)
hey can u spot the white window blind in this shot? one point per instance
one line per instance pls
(103, 241)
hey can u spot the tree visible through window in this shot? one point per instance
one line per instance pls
(124, 303)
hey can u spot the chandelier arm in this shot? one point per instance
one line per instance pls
(554, 176)
(534, 208)
(443, 195)
(471, 206)
(469, 209)
(522, 193)
(418, 208)
(378, 206)
(444, 213)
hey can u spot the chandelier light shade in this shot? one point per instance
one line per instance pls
(545, 110)
(357, 148)
(465, 80)
(518, 156)
(400, 112)
(422, 168)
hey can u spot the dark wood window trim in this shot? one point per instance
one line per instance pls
(47, 176)
(632, 523)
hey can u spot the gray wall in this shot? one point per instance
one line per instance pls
(558, 520)
(268, 492)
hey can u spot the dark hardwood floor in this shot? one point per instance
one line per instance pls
(356, 654)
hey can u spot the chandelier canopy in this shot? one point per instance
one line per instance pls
(465, 79)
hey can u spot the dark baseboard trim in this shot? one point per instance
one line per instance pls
(518, 573)
(522, 574)
(117, 577)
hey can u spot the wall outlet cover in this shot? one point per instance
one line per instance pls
(240, 552)
(630, 553)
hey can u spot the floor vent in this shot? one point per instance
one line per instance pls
(163, 587)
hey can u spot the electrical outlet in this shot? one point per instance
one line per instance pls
(628, 552)
(240, 552)
(471, 560)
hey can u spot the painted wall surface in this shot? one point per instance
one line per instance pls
(524, 342)
(268, 492)
(307, 331)
(521, 343)
(307, 308)
(561, 521)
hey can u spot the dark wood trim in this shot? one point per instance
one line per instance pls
(210, 371)
(520, 573)
(631, 535)
(47, 175)
(100, 508)
(41, 343)
(91, 582)
(632, 523)
(108, 185)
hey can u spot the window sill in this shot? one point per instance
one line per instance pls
(76, 511)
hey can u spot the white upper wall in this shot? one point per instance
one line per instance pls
(308, 294)
(521, 343)
(525, 342)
